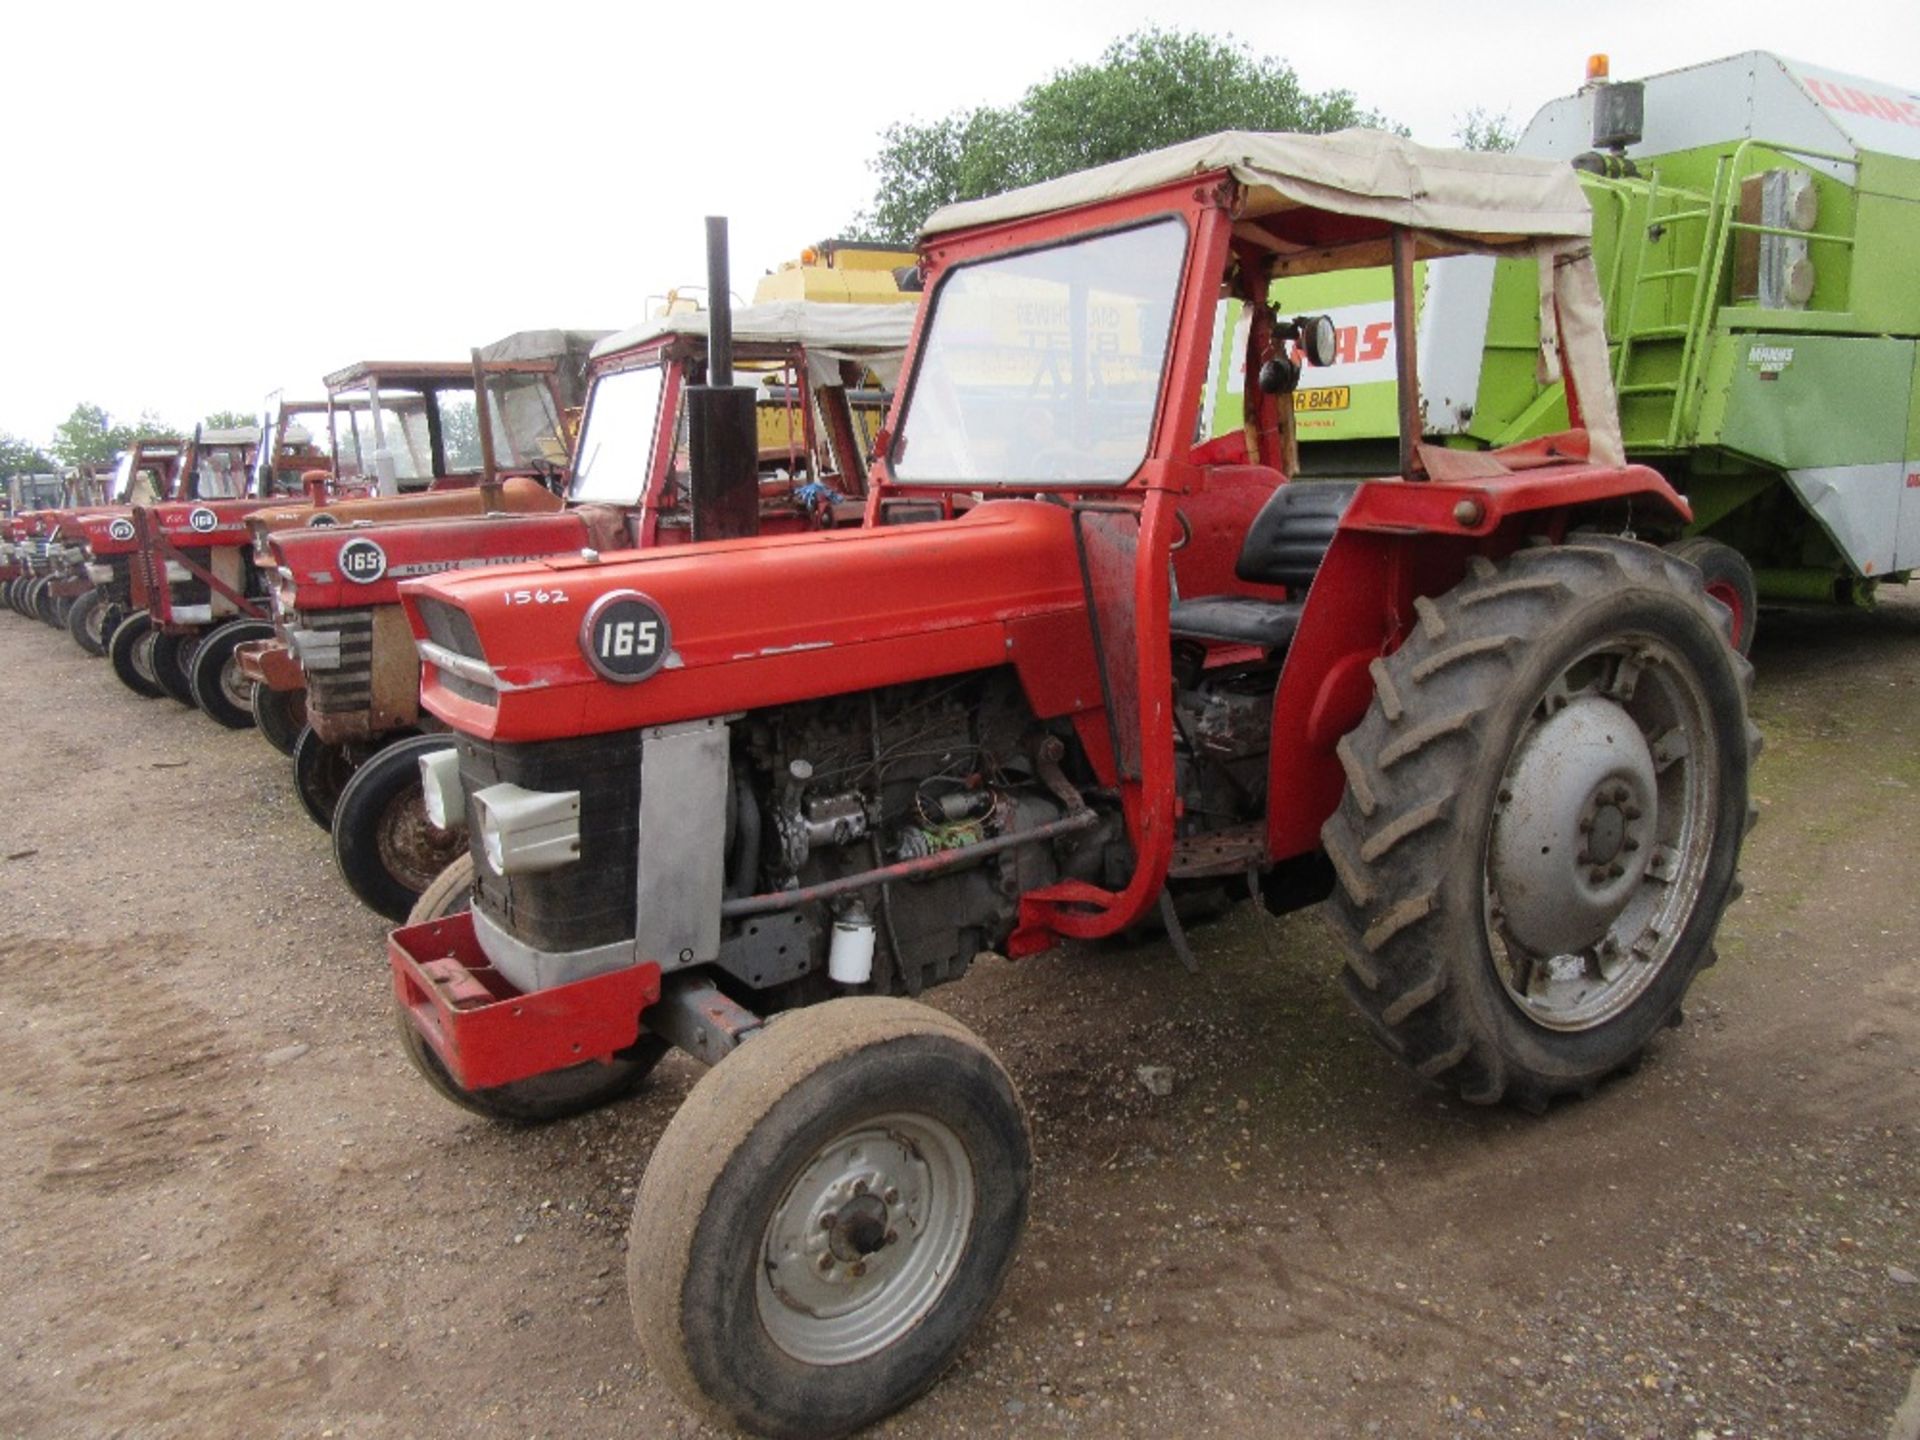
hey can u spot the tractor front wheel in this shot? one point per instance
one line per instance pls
(14, 589)
(279, 715)
(130, 649)
(320, 773)
(218, 686)
(173, 664)
(828, 1216)
(1543, 815)
(40, 600)
(91, 621)
(451, 893)
(387, 850)
(1728, 579)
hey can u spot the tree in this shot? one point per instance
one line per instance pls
(22, 457)
(1152, 88)
(1480, 129)
(229, 420)
(89, 437)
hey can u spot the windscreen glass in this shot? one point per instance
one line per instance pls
(399, 427)
(1043, 368)
(526, 423)
(459, 430)
(616, 439)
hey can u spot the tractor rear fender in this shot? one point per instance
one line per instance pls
(338, 567)
(1399, 541)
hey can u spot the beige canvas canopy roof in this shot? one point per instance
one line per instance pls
(1454, 201)
(874, 335)
(1485, 196)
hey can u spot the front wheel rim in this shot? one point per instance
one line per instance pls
(866, 1239)
(1597, 850)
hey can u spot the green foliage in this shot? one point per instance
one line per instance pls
(229, 420)
(1150, 89)
(89, 435)
(1480, 129)
(23, 457)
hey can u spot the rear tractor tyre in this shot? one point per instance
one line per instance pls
(543, 1098)
(130, 649)
(451, 893)
(173, 664)
(387, 850)
(828, 1216)
(215, 679)
(320, 773)
(279, 715)
(1729, 581)
(1543, 816)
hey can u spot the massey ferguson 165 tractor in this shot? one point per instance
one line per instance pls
(747, 797)
(152, 469)
(405, 444)
(336, 592)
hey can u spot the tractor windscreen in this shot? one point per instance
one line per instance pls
(616, 439)
(1043, 367)
(401, 429)
(526, 423)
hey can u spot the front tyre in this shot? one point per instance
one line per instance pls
(828, 1216)
(1542, 820)
(173, 664)
(320, 773)
(387, 850)
(451, 893)
(90, 622)
(130, 651)
(214, 677)
(279, 715)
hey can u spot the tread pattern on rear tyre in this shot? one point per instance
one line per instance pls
(1392, 839)
(715, 1122)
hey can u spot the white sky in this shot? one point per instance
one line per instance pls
(443, 174)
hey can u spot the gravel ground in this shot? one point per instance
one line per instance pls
(228, 1207)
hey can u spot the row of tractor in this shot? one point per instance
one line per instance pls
(979, 608)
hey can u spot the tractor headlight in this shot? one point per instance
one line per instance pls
(440, 786)
(523, 831)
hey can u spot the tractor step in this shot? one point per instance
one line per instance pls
(1231, 851)
(486, 1032)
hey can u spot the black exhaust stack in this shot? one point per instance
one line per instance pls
(723, 436)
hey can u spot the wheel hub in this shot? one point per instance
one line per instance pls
(865, 1240)
(1569, 838)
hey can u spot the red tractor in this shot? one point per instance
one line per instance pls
(406, 440)
(151, 469)
(337, 594)
(1070, 668)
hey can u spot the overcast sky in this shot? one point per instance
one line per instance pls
(210, 201)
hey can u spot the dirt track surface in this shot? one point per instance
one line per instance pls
(228, 1207)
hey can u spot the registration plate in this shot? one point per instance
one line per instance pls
(1327, 397)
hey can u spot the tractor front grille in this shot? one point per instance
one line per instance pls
(340, 679)
(587, 903)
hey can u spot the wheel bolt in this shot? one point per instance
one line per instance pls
(826, 1263)
(1632, 812)
(859, 1268)
(892, 1237)
(892, 1197)
(1616, 870)
(1597, 874)
(829, 1220)
(859, 1187)
(1629, 844)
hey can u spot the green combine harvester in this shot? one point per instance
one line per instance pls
(1757, 233)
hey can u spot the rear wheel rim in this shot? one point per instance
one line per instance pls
(866, 1239)
(1588, 888)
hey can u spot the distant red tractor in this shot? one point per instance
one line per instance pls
(406, 444)
(1072, 667)
(337, 592)
(151, 469)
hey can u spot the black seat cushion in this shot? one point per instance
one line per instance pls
(1236, 620)
(1289, 537)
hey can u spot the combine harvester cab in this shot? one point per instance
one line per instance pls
(1754, 235)
(821, 374)
(404, 443)
(1070, 669)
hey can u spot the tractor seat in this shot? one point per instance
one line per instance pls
(1284, 546)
